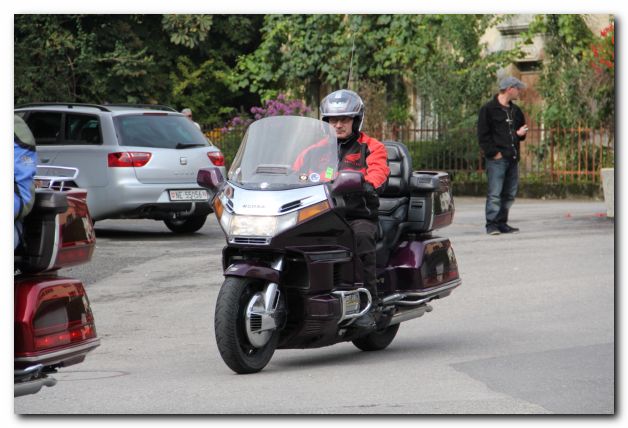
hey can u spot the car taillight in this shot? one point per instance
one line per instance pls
(126, 159)
(217, 158)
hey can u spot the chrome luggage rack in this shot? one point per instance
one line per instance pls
(54, 177)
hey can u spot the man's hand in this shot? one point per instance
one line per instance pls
(522, 131)
(498, 156)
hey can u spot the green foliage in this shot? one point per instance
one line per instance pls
(573, 90)
(180, 60)
(437, 55)
(187, 30)
(450, 152)
(220, 65)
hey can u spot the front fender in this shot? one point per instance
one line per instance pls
(253, 270)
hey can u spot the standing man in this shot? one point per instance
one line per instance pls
(188, 113)
(344, 110)
(501, 126)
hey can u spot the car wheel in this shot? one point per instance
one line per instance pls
(186, 225)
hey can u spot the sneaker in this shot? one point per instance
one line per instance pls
(504, 228)
(492, 230)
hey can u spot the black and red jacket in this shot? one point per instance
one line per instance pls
(368, 156)
(365, 155)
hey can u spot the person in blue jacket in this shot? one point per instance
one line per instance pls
(24, 168)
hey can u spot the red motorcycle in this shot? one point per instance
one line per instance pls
(54, 324)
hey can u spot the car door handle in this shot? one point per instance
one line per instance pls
(42, 160)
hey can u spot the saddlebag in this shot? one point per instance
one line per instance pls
(422, 270)
(54, 324)
(58, 232)
(431, 201)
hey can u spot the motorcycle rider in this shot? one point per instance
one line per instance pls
(24, 168)
(344, 111)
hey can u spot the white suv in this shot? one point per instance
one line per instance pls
(135, 161)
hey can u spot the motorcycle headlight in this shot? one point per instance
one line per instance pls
(264, 226)
(250, 225)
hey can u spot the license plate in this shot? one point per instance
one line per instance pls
(352, 303)
(188, 195)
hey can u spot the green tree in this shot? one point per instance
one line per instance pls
(181, 60)
(574, 91)
(438, 56)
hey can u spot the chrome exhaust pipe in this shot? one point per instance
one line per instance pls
(421, 297)
(409, 314)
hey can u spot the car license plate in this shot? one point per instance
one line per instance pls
(189, 195)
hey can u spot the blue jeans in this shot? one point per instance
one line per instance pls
(503, 179)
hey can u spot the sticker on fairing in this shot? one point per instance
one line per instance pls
(329, 173)
(315, 178)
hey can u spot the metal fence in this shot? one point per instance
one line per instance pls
(556, 155)
(564, 155)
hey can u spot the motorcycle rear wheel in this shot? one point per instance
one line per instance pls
(377, 340)
(229, 324)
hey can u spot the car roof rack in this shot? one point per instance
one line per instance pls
(146, 106)
(69, 105)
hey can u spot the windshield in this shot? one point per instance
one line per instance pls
(284, 152)
(159, 130)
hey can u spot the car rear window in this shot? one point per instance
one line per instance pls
(158, 130)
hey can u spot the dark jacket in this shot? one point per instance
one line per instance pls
(497, 129)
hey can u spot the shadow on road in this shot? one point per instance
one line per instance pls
(146, 235)
(398, 351)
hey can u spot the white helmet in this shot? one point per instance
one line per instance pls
(343, 103)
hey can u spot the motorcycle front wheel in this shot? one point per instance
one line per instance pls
(242, 354)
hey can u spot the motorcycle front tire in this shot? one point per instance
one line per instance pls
(229, 325)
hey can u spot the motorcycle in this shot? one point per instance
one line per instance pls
(53, 320)
(292, 277)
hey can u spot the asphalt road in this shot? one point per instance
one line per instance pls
(530, 331)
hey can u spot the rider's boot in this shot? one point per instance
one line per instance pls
(368, 320)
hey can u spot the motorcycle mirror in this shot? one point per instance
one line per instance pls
(210, 178)
(347, 182)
